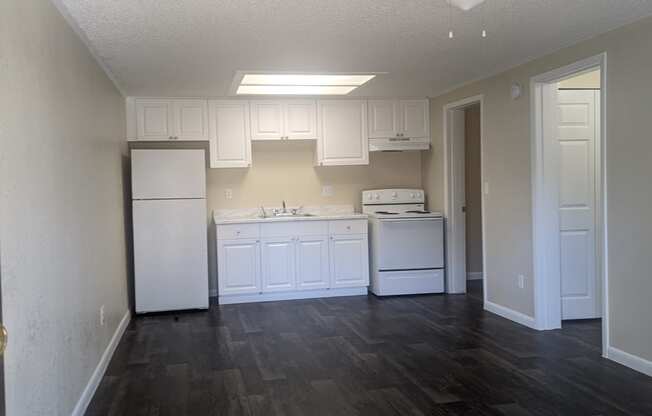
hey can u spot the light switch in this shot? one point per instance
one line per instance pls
(327, 190)
(228, 193)
(486, 187)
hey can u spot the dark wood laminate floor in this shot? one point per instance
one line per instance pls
(415, 355)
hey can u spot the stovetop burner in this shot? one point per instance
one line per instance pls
(386, 213)
(418, 212)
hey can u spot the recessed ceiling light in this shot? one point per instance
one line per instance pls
(466, 4)
(304, 79)
(299, 84)
(295, 89)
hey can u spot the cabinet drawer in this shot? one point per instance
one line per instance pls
(348, 227)
(235, 231)
(294, 228)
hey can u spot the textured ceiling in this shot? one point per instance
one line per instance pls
(194, 47)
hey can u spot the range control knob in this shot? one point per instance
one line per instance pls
(377, 196)
(370, 196)
(394, 195)
(412, 195)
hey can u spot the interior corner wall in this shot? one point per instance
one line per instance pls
(508, 206)
(62, 224)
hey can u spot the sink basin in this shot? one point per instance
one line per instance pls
(289, 214)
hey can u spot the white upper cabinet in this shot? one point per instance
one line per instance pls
(191, 119)
(230, 139)
(154, 120)
(283, 119)
(300, 117)
(399, 118)
(342, 132)
(383, 119)
(162, 119)
(266, 120)
(414, 118)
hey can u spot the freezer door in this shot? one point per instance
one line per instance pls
(167, 173)
(170, 255)
(410, 244)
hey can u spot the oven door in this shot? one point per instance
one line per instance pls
(410, 244)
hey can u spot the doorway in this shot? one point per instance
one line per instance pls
(465, 260)
(569, 232)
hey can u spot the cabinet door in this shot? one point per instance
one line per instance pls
(312, 262)
(154, 119)
(300, 119)
(383, 119)
(266, 120)
(278, 264)
(414, 118)
(342, 133)
(238, 266)
(349, 260)
(191, 119)
(230, 141)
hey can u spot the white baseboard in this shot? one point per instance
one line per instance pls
(512, 315)
(98, 373)
(629, 360)
(301, 294)
(474, 276)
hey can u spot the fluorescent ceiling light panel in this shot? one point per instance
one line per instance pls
(304, 79)
(295, 89)
(300, 84)
(466, 4)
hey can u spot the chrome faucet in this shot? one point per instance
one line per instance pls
(284, 209)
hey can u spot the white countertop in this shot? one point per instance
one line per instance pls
(257, 219)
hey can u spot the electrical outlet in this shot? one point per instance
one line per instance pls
(486, 187)
(327, 190)
(102, 315)
(521, 281)
(228, 193)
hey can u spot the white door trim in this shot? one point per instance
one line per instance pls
(547, 280)
(458, 285)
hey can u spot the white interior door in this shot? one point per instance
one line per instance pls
(456, 267)
(577, 118)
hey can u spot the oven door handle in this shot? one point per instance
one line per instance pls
(411, 219)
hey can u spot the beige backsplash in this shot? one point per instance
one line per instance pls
(285, 171)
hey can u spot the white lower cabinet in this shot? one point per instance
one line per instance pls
(349, 265)
(312, 262)
(238, 266)
(278, 264)
(292, 260)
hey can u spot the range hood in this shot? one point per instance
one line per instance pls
(399, 144)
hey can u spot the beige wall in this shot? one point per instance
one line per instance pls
(629, 168)
(473, 188)
(61, 226)
(583, 81)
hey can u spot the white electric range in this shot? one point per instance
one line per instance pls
(407, 242)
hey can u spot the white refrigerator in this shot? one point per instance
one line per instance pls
(169, 225)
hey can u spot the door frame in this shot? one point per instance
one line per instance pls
(457, 284)
(545, 220)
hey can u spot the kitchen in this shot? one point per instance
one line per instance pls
(289, 207)
(302, 141)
